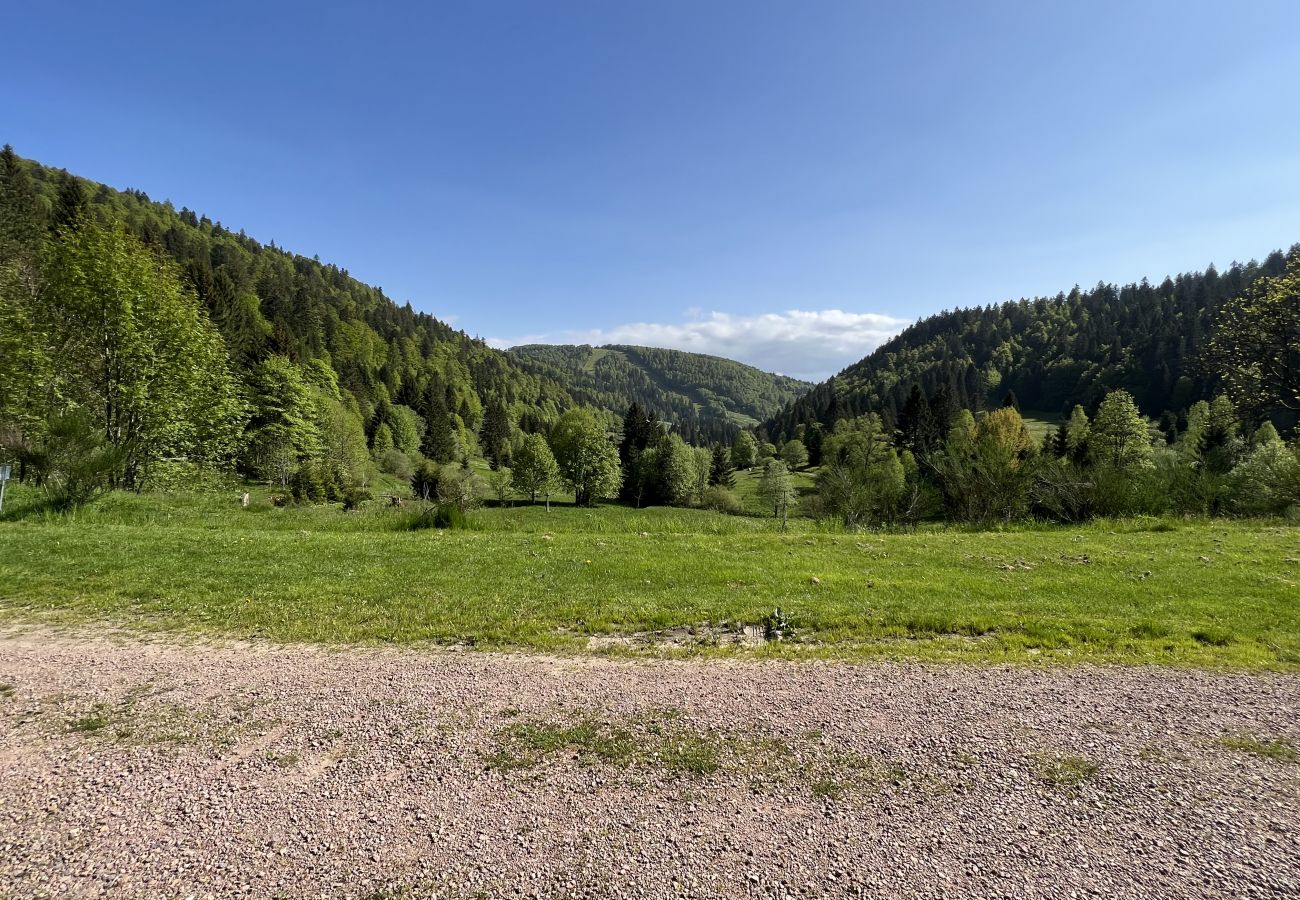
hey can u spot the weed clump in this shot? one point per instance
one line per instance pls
(1279, 750)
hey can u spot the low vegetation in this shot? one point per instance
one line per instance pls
(1278, 750)
(1142, 590)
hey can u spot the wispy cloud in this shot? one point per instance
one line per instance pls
(809, 344)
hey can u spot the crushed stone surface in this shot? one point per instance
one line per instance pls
(138, 768)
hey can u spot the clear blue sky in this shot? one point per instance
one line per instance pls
(569, 169)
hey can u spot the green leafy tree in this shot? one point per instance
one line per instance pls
(136, 352)
(406, 427)
(795, 454)
(284, 427)
(744, 451)
(587, 460)
(1077, 430)
(862, 479)
(776, 489)
(534, 467)
(1256, 344)
(1120, 437)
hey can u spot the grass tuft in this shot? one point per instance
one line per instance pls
(1066, 771)
(1278, 750)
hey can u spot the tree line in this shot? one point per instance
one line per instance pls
(1152, 340)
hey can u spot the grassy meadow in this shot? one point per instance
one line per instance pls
(1219, 593)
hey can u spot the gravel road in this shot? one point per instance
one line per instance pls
(132, 768)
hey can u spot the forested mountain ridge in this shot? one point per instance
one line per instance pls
(269, 302)
(707, 398)
(1051, 352)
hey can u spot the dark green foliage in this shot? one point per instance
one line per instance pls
(73, 462)
(424, 483)
(707, 399)
(721, 472)
(268, 302)
(447, 515)
(1050, 353)
(1256, 348)
(494, 436)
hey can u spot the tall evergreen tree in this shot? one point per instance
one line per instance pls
(721, 472)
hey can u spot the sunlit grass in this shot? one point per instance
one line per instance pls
(1219, 593)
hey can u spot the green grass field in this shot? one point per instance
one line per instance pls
(1182, 593)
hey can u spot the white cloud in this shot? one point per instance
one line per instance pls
(809, 344)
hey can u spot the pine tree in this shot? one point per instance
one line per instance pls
(720, 471)
(494, 434)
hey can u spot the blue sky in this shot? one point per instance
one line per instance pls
(784, 183)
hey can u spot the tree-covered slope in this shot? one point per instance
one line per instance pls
(708, 398)
(270, 302)
(1052, 352)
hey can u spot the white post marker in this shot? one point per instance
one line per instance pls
(4, 479)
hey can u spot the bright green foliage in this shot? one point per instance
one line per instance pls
(284, 428)
(744, 451)
(777, 488)
(794, 453)
(986, 469)
(862, 479)
(1256, 346)
(534, 469)
(407, 428)
(587, 460)
(1120, 437)
(382, 442)
(676, 470)
(1267, 482)
(136, 352)
(1076, 434)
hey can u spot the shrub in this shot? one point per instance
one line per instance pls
(353, 496)
(1267, 482)
(73, 462)
(721, 500)
(441, 515)
(396, 463)
(424, 480)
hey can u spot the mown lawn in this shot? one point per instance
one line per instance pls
(1201, 593)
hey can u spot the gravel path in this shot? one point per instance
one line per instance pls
(143, 769)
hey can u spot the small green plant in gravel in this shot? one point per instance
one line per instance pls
(1068, 771)
(7, 690)
(1279, 750)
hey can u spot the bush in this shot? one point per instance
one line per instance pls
(424, 481)
(459, 487)
(1267, 482)
(73, 462)
(353, 496)
(396, 463)
(443, 515)
(721, 500)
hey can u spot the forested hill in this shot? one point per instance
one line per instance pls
(706, 397)
(269, 302)
(1052, 352)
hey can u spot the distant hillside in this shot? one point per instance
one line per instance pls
(708, 398)
(267, 301)
(1053, 352)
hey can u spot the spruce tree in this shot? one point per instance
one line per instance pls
(720, 471)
